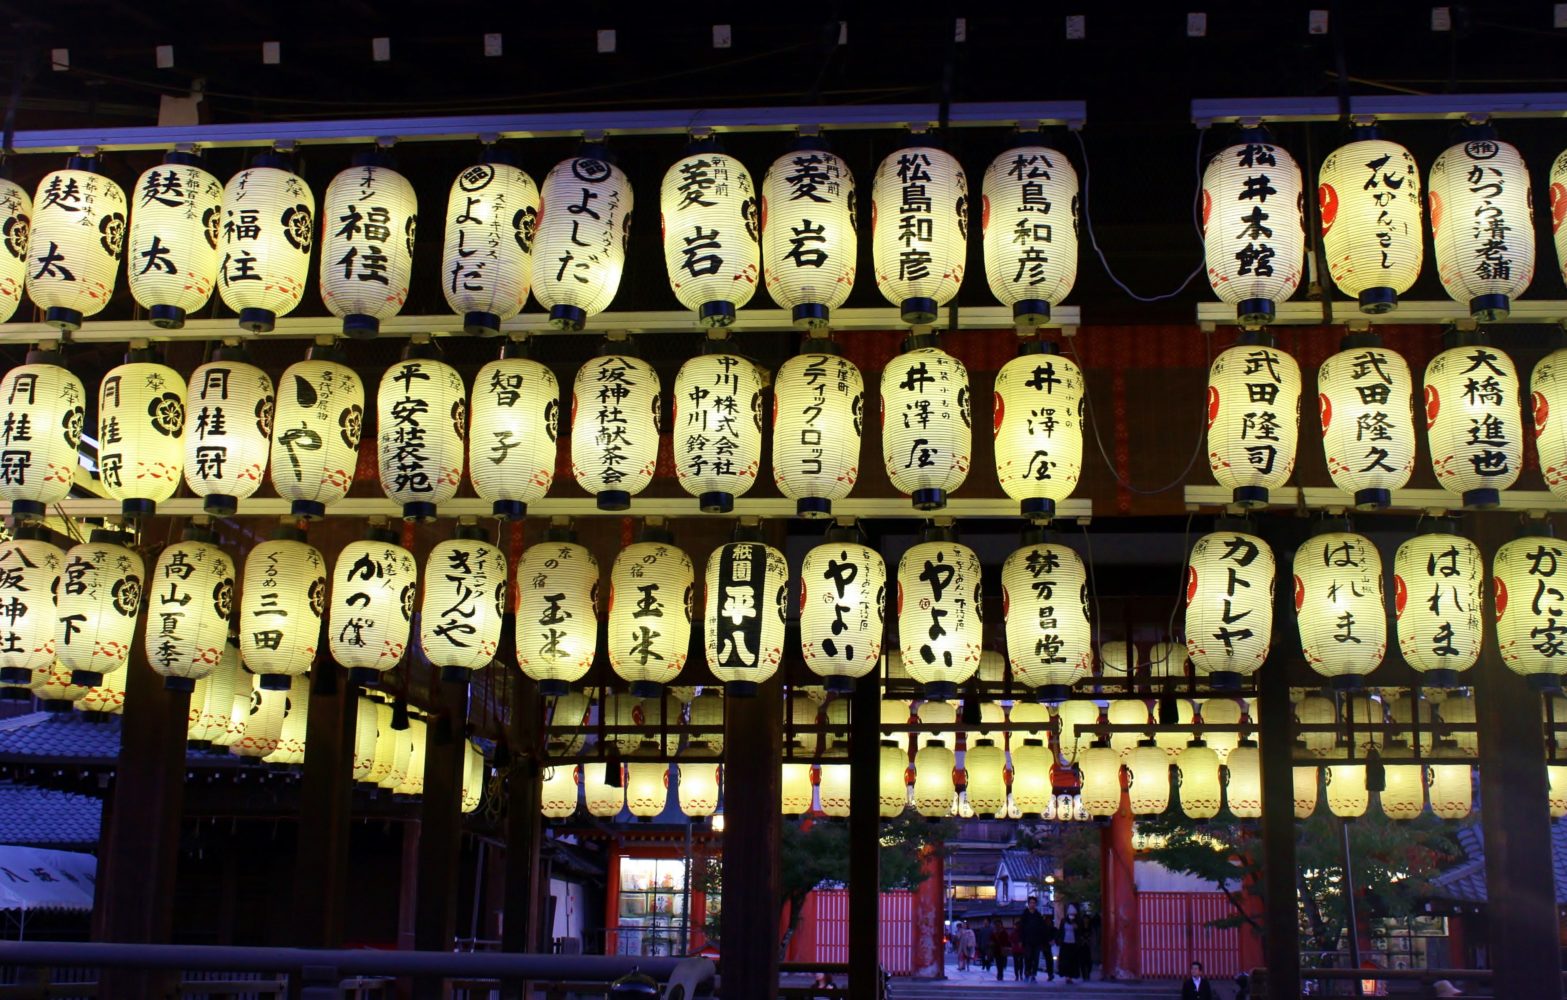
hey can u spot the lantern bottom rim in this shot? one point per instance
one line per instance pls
(257, 320)
(1482, 499)
(15, 675)
(931, 499)
(565, 317)
(481, 324)
(1347, 682)
(1379, 300)
(509, 510)
(166, 317)
(646, 689)
(56, 705)
(1255, 312)
(28, 508)
(918, 311)
(740, 689)
(65, 319)
(613, 500)
(716, 502)
(274, 682)
(1031, 312)
(1049, 693)
(838, 684)
(1373, 499)
(16, 694)
(813, 507)
(138, 507)
(419, 510)
(1037, 507)
(1224, 680)
(364, 676)
(360, 326)
(1250, 496)
(1544, 682)
(941, 690)
(811, 315)
(1490, 308)
(456, 675)
(186, 684)
(220, 504)
(552, 687)
(1440, 678)
(716, 313)
(310, 510)
(86, 678)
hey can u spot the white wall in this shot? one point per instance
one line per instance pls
(568, 909)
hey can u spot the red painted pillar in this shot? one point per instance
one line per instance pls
(929, 906)
(1119, 934)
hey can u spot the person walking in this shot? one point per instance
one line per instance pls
(1017, 948)
(982, 944)
(1196, 987)
(1000, 946)
(1087, 941)
(1048, 949)
(965, 946)
(1068, 939)
(1032, 924)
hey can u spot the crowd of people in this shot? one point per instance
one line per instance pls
(1032, 940)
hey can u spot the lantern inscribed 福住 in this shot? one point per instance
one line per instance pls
(927, 433)
(1482, 223)
(743, 614)
(1229, 606)
(1473, 423)
(315, 432)
(1368, 198)
(1038, 425)
(718, 428)
(228, 430)
(1339, 606)
(614, 428)
(711, 226)
(423, 419)
(919, 230)
(1437, 579)
(368, 218)
(75, 242)
(492, 215)
(1365, 400)
(818, 417)
(584, 225)
(141, 433)
(1253, 419)
(809, 239)
(1029, 225)
(1254, 231)
(45, 407)
(267, 234)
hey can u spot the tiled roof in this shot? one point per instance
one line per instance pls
(1026, 865)
(68, 736)
(40, 817)
(1466, 882)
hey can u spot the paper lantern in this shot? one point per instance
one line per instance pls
(1030, 195)
(1364, 719)
(1347, 794)
(569, 710)
(718, 428)
(558, 792)
(1473, 423)
(1404, 795)
(1339, 606)
(802, 713)
(29, 582)
(707, 709)
(1172, 743)
(584, 225)
(614, 428)
(933, 787)
(1486, 256)
(1169, 659)
(418, 735)
(1452, 787)
(315, 434)
(365, 717)
(1222, 712)
(1548, 390)
(368, 217)
(492, 215)
(1458, 709)
(698, 788)
(623, 712)
(1253, 420)
(1198, 770)
(141, 433)
(711, 223)
(1101, 770)
(511, 444)
(1530, 579)
(809, 243)
(291, 740)
(926, 432)
(650, 591)
(1070, 715)
(45, 407)
(794, 786)
(1243, 784)
(1436, 596)
(268, 230)
(1306, 781)
(934, 713)
(217, 690)
(100, 595)
(1038, 422)
(1557, 777)
(893, 779)
(1117, 659)
(1315, 710)
(919, 237)
(984, 763)
(107, 697)
(238, 709)
(472, 777)
(1368, 197)
(190, 600)
(1031, 762)
(647, 786)
(843, 600)
(832, 789)
(1229, 606)
(16, 219)
(1127, 712)
(55, 687)
(373, 587)
(175, 220)
(1044, 602)
(1253, 222)
(75, 244)
(280, 607)
(557, 613)
(228, 430)
(422, 408)
(1149, 794)
(261, 720)
(818, 416)
(939, 613)
(743, 617)
(1402, 711)
(1366, 404)
(464, 599)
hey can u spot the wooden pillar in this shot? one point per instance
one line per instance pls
(753, 742)
(440, 827)
(930, 898)
(1276, 723)
(325, 809)
(522, 927)
(865, 841)
(1119, 931)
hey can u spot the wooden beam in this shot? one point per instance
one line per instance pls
(326, 796)
(865, 841)
(440, 827)
(752, 814)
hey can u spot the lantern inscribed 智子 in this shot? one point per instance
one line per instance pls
(172, 255)
(1030, 198)
(809, 242)
(711, 224)
(492, 216)
(512, 434)
(1254, 232)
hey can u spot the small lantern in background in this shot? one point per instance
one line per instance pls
(464, 600)
(1031, 794)
(296, 718)
(492, 216)
(699, 787)
(141, 432)
(1339, 606)
(1100, 767)
(281, 603)
(843, 601)
(1038, 422)
(1348, 797)
(1198, 767)
(1403, 796)
(614, 428)
(718, 428)
(173, 253)
(818, 417)
(934, 792)
(1482, 223)
(1253, 418)
(368, 218)
(512, 440)
(919, 236)
(584, 225)
(650, 592)
(373, 586)
(315, 432)
(1306, 780)
(1150, 769)
(45, 409)
(985, 764)
(423, 422)
(1368, 199)
(228, 430)
(1253, 221)
(260, 716)
(76, 242)
(1365, 399)
(603, 799)
(30, 568)
(711, 223)
(809, 243)
(1243, 784)
(647, 783)
(100, 595)
(557, 612)
(558, 795)
(1451, 790)
(1473, 421)
(743, 617)
(794, 785)
(267, 234)
(927, 431)
(893, 780)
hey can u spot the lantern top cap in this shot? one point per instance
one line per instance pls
(495, 153)
(44, 356)
(915, 341)
(471, 533)
(110, 536)
(377, 157)
(816, 343)
(812, 139)
(325, 352)
(655, 533)
(195, 532)
(142, 355)
(288, 533)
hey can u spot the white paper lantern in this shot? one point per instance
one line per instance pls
(1222, 712)
(408, 779)
(315, 436)
(373, 586)
(743, 616)
(464, 599)
(75, 244)
(614, 428)
(1361, 713)
(1031, 794)
(984, 764)
(1530, 579)
(1482, 223)
(1229, 606)
(795, 791)
(602, 799)
(368, 217)
(919, 238)
(832, 789)
(492, 215)
(1403, 797)
(1473, 423)
(1436, 596)
(1365, 400)
(217, 689)
(1172, 743)
(1254, 231)
(141, 433)
(809, 243)
(296, 716)
(16, 221)
(422, 408)
(228, 430)
(1347, 794)
(1101, 771)
(472, 777)
(1150, 790)
(1038, 422)
(699, 788)
(1044, 601)
(1253, 420)
(1167, 660)
(711, 223)
(1548, 390)
(107, 697)
(651, 587)
(933, 787)
(843, 600)
(55, 685)
(1315, 710)
(101, 584)
(365, 716)
(1127, 712)
(647, 786)
(818, 417)
(940, 624)
(1117, 659)
(45, 408)
(1368, 196)
(893, 778)
(190, 601)
(268, 231)
(935, 713)
(558, 794)
(1198, 770)
(1071, 717)
(557, 613)
(280, 608)
(1339, 606)
(707, 709)
(718, 428)
(238, 710)
(584, 225)
(927, 434)
(623, 712)
(260, 717)
(511, 445)
(1243, 785)
(1452, 786)
(176, 216)
(29, 583)
(1458, 709)
(1030, 195)
(1401, 712)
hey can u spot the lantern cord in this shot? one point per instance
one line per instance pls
(1180, 580)
(1088, 226)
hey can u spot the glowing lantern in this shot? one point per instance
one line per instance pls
(373, 587)
(1101, 770)
(934, 713)
(1044, 606)
(893, 779)
(1038, 422)
(100, 594)
(557, 613)
(1198, 770)
(1458, 709)
(624, 712)
(647, 785)
(464, 599)
(1473, 423)
(707, 709)
(1347, 794)
(1557, 776)
(54, 686)
(296, 716)
(933, 787)
(1436, 597)
(173, 259)
(1117, 659)
(939, 602)
(1452, 786)
(925, 423)
(1315, 710)
(228, 430)
(280, 608)
(818, 415)
(984, 763)
(992, 670)
(1031, 793)
(614, 428)
(492, 214)
(1222, 712)
(1485, 257)
(1305, 781)
(1254, 231)
(261, 720)
(711, 224)
(368, 217)
(1030, 194)
(408, 773)
(1243, 785)
(919, 236)
(29, 582)
(1366, 404)
(1548, 388)
(584, 225)
(217, 692)
(832, 789)
(1368, 195)
(1229, 606)
(1070, 716)
(76, 241)
(16, 219)
(1339, 606)
(365, 718)
(794, 785)
(1169, 659)
(1401, 712)
(1173, 742)
(45, 408)
(423, 410)
(511, 444)
(803, 713)
(558, 794)
(315, 434)
(141, 432)
(650, 592)
(699, 788)
(1150, 769)
(809, 244)
(743, 620)
(1531, 608)
(190, 602)
(718, 428)
(268, 230)
(1127, 712)
(843, 600)
(472, 777)
(1253, 419)
(1403, 797)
